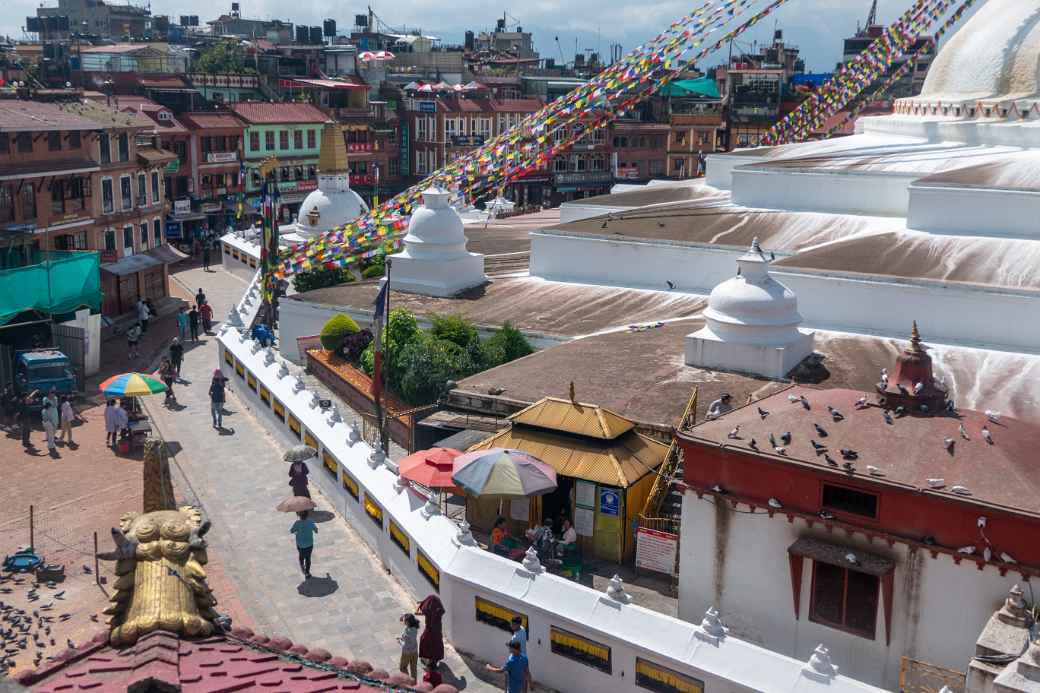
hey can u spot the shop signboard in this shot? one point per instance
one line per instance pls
(609, 500)
(173, 230)
(221, 157)
(211, 207)
(404, 152)
(584, 521)
(584, 494)
(655, 550)
(181, 207)
(173, 166)
(427, 106)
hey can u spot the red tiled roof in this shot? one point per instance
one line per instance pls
(241, 662)
(910, 450)
(203, 121)
(37, 116)
(517, 105)
(261, 113)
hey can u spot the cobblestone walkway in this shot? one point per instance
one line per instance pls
(351, 606)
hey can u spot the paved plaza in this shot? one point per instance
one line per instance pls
(351, 606)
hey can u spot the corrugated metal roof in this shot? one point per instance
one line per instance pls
(620, 462)
(573, 417)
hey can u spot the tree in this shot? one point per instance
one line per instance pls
(427, 365)
(223, 57)
(455, 329)
(508, 344)
(336, 330)
(402, 331)
(355, 344)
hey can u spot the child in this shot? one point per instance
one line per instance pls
(410, 646)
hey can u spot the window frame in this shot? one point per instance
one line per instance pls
(283, 140)
(126, 193)
(54, 141)
(156, 192)
(142, 232)
(297, 139)
(157, 232)
(28, 197)
(312, 138)
(269, 141)
(254, 141)
(838, 510)
(105, 148)
(24, 142)
(142, 190)
(842, 626)
(132, 246)
(124, 147)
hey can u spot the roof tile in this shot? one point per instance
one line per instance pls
(262, 113)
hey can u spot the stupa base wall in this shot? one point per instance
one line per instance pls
(704, 349)
(437, 278)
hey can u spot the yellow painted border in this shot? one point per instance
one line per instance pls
(279, 409)
(294, 425)
(654, 677)
(580, 649)
(398, 536)
(373, 510)
(328, 463)
(496, 615)
(265, 395)
(228, 358)
(240, 369)
(428, 569)
(251, 381)
(350, 484)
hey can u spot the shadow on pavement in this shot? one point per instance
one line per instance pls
(318, 586)
(321, 515)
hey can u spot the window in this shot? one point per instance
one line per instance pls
(28, 201)
(6, 204)
(312, 139)
(283, 139)
(107, 197)
(142, 190)
(157, 233)
(54, 141)
(24, 142)
(394, 168)
(580, 649)
(105, 147)
(845, 599)
(125, 190)
(298, 139)
(71, 241)
(269, 140)
(124, 147)
(254, 141)
(110, 241)
(155, 187)
(144, 236)
(849, 500)
(128, 239)
(207, 144)
(680, 137)
(5, 143)
(180, 149)
(58, 197)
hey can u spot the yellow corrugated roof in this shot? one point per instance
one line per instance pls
(620, 462)
(573, 417)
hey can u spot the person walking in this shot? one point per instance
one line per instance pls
(176, 356)
(193, 323)
(431, 644)
(25, 420)
(133, 336)
(518, 676)
(409, 664)
(205, 255)
(144, 314)
(298, 479)
(216, 401)
(304, 529)
(206, 313)
(167, 373)
(200, 297)
(182, 324)
(111, 423)
(519, 633)
(49, 415)
(68, 415)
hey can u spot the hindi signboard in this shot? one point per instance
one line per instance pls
(655, 550)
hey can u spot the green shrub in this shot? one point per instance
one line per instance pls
(508, 344)
(427, 365)
(337, 329)
(320, 279)
(455, 329)
(402, 331)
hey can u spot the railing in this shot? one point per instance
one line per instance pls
(663, 482)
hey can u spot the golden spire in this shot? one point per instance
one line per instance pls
(332, 158)
(915, 338)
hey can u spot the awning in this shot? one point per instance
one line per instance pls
(194, 216)
(838, 555)
(166, 254)
(131, 264)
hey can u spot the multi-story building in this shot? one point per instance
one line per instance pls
(290, 133)
(129, 206)
(640, 150)
(215, 152)
(911, 83)
(47, 192)
(696, 117)
(585, 170)
(91, 18)
(173, 137)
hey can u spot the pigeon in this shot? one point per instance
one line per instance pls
(918, 388)
(987, 436)
(951, 406)
(94, 618)
(762, 412)
(849, 467)
(1007, 558)
(993, 416)
(793, 398)
(87, 570)
(851, 558)
(817, 446)
(780, 450)
(774, 503)
(966, 550)
(830, 460)
(884, 381)
(884, 373)
(873, 471)
(71, 645)
(59, 595)
(948, 444)
(753, 444)
(964, 432)
(888, 417)
(735, 433)
(786, 438)
(936, 483)
(961, 490)
(835, 414)
(820, 430)
(849, 454)
(671, 285)
(772, 439)
(861, 403)
(900, 411)
(717, 489)
(987, 553)
(825, 515)
(805, 403)
(923, 408)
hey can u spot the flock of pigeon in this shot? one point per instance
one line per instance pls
(30, 630)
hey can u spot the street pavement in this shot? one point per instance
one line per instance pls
(351, 606)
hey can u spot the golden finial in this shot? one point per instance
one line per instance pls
(332, 157)
(915, 337)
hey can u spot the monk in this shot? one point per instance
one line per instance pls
(431, 643)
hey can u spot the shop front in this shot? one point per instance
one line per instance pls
(576, 186)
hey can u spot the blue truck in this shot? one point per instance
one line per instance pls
(43, 370)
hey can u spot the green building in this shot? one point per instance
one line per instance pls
(290, 133)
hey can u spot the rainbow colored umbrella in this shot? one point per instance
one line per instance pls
(131, 385)
(503, 472)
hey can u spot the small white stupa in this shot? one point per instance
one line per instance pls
(435, 261)
(333, 203)
(752, 324)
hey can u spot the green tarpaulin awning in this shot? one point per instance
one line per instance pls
(64, 282)
(702, 86)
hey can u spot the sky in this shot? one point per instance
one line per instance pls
(817, 27)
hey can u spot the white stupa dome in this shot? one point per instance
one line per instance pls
(994, 56)
(333, 203)
(751, 323)
(435, 229)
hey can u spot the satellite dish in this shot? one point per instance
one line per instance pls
(68, 85)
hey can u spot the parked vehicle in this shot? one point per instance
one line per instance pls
(43, 370)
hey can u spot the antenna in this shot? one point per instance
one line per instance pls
(872, 17)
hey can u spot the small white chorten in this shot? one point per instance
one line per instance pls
(752, 324)
(435, 261)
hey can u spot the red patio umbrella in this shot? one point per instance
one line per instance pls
(432, 468)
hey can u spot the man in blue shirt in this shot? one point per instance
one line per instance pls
(304, 529)
(519, 633)
(518, 677)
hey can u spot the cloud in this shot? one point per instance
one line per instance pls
(816, 26)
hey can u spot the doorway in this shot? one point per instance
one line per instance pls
(558, 504)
